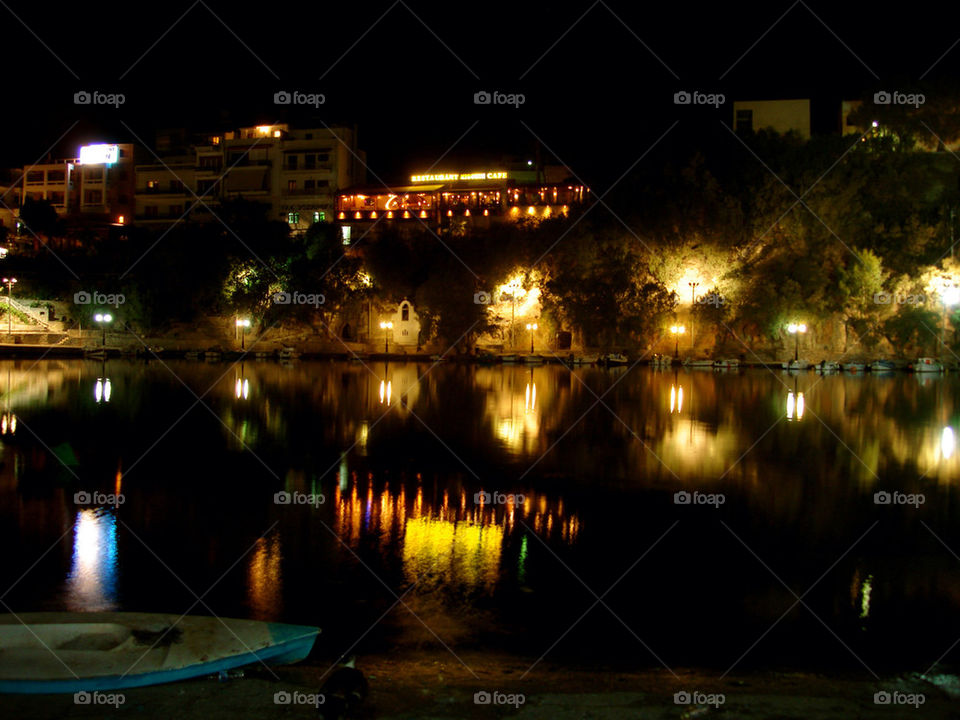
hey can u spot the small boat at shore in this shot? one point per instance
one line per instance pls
(926, 364)
(854, 367)
(795, 365)
(690, 363)
(726, 364)
(614, 359)
(54, 652)
(882, 366)
(827, 366)
(659, 360)
(508, 358)
(289, 353)
(533, 359)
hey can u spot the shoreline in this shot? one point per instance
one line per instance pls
(433, 683)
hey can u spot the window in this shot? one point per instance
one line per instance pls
(404, 313)
(93, 197)
(291, 184)
(35, 176)
(319, 216)
(176, 186)
(345, 234)
(744, 121)
(150, 211)
(153, 185)
(56, 176)
(292, 162)
(309, 161)
(293, 218)
(56, 198)
(203, 186)
(175, 210)
(93, 174)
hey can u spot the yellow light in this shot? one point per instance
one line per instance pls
(373, 214)
(120, 219)
(406, 214)
(389, 214)
(467, 212)
(514, 210)
(423, 213)
(530, 210)
(276, 133)
(263, 129)
(449, 213)
(486, 212)
(356, 215)
(341, 216)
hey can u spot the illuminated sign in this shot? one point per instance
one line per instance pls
(446, 177)
(99, 154)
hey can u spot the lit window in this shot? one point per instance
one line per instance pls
(293, 218)
(345, 234)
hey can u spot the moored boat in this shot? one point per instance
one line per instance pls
(289, 353)
(796, 365)
(926, 364)
(691, 363)
(615, 359)
(533, 359)
(827, 366)
(508, 358)
(854, 367)
(659, 360)
(726, 364)
(53, 652)
(882, 366)
(588, 359)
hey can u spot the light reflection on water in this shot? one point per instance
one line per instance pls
(91, 584)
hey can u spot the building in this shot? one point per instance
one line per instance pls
(781, 116)
(10, 180)
(448, 199)
(295, 172)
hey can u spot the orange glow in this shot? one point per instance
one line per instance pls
(389, 214)
(449, 213)
(406, 214)
(486, 212)
(356, 215)
(341, 216)
(373, 215)
(423, 213)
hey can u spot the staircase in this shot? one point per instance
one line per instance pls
(32, 313)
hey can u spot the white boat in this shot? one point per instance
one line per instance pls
(726, 364)
(927, 364)
(533, 359)
(854, 367)
(882, 366)
(615, 359)
(795, 365)
(827, 366)
(697, 363)
(289, 353)
(508, 358)
(589, 359)
(53, 652)
(659, 360)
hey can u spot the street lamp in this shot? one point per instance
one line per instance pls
(9, 282)
(949, 296)
(386, 341)
(103, 319)
(795, 329)
(531, 327)
(242, 325)
(677, 331)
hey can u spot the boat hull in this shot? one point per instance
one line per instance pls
(75, 652)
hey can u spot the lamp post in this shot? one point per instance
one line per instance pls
(9, 282)
(795, 329)
(949, 296)
(693, 302)
(103, 319)
(531, 327)
(386, 341)
(242, 325)
(677, 331)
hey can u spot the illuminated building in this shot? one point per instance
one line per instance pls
(297, 172)
(478, 197)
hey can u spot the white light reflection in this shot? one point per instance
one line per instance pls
(92, 581)
(948, 443)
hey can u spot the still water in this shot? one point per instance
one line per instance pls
(529, 510)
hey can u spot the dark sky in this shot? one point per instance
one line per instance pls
(598, 78)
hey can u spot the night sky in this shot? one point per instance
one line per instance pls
(598, 78)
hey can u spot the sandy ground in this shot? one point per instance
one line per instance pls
(433, 684)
